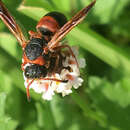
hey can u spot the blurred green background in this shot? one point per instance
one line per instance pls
(102, 103)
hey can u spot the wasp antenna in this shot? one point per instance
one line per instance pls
(29, 99)
(27, 90)
(28, 94)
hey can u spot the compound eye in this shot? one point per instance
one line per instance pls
(33, 71)
(28, 72)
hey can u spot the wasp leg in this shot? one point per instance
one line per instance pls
(71, 52)
(54, 79)
(27, 90)
(56, 64)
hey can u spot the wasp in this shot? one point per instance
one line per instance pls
(42, 54)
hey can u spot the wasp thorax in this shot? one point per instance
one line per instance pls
(35, 48)
(35, 71)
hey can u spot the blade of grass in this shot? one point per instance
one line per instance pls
(34, 12)
(102, 48)
(47, 4)
(45, 116)
(86, 109)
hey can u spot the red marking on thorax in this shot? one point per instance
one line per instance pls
(39, 60)
(34, 34)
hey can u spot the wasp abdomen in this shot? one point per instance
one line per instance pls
(51, 22)
(59, 17)
(35, 48)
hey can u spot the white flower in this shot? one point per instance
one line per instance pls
(40, 86)
(82, 62)
(48, 94)
(48, 88)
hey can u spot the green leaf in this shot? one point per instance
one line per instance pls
(40, 117)
(105, 11)
(119, 93)
(98, 116)
(45, 116)
(68, 115)
(62, 5)
(121, 25)
(35, 12)
(10, 4)
(5, 82)
(112, 100)
(46, 4)
(9, 43)
(6, 123)
(2, 104)
(31, 126)
(102, 48)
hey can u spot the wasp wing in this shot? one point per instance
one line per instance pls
(69, 26)
(11, 23)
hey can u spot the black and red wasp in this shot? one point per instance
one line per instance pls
(42, 53)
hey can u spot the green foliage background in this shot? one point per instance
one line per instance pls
(103, 102)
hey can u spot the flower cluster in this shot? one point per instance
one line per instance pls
(48, 87)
